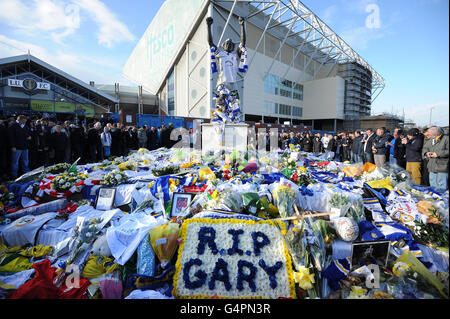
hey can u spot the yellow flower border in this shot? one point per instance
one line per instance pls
(183, 235)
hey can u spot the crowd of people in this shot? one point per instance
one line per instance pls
(424, 155)
(26, 144)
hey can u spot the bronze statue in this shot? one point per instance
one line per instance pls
(229, 60)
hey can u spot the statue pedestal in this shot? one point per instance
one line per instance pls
(219, 137)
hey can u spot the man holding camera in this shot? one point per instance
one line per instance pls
(436, 151)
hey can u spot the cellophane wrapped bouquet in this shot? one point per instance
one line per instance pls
(285, 194)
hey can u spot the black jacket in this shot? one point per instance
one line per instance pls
(93, 137)
(414, 149)
(18, 136)
(357, 146)
(59, 141)
(380, 144)
(332, 145)
(152, 139)
(399, 149)
(369, 144)
(77, 137)
(317, 146)
(307, 144)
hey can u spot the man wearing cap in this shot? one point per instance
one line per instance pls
(414, 144)
(436, 150)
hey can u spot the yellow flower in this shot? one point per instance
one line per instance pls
(304, 279)
(302, 169)
(291, 146)
(145, 162)
(400, 269)
(187, 165)
(150, 185)
(215, 194)
(358, 293)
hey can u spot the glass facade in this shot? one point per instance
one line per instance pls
(271, 84)
(171, 94)
(297, 111)
(279, 86)
(285, 109)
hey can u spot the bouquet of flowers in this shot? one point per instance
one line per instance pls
(284, 196)
(126, 166)
(6, 197)
(114, 178)
(104, 164)
(301, 177)
(227, 200)
(57, 168)
(65, 181)
(167, 170)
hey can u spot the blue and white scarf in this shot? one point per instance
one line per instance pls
(213, 50)
(243, 66)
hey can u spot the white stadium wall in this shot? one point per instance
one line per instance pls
(192, 76)
(156, 51)
(324, 98)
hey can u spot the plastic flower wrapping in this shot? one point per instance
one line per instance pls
(65, 181)
(6, 197)
(57, 168)
(114, 178)
(285, 195)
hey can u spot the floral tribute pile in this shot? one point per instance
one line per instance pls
(279, 225)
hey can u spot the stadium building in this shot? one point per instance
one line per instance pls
(299, 70)
(29, 85)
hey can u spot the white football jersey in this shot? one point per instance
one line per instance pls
(228, 65)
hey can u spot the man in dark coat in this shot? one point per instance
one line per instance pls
(19, 138)
(367, 143)
(94, 142)
(400, 149)
(152, 139)
(59, 142)
(356, 149)
(317, 145)
(77, 140)
(116, 140)
(379, 147)
(307, 144)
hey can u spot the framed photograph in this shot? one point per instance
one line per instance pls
(105, 198)
(180, 203)
(370, 252)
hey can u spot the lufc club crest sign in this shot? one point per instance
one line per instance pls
(29, 84)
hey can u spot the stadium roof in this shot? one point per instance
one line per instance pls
(76, 82)
(305, 30)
